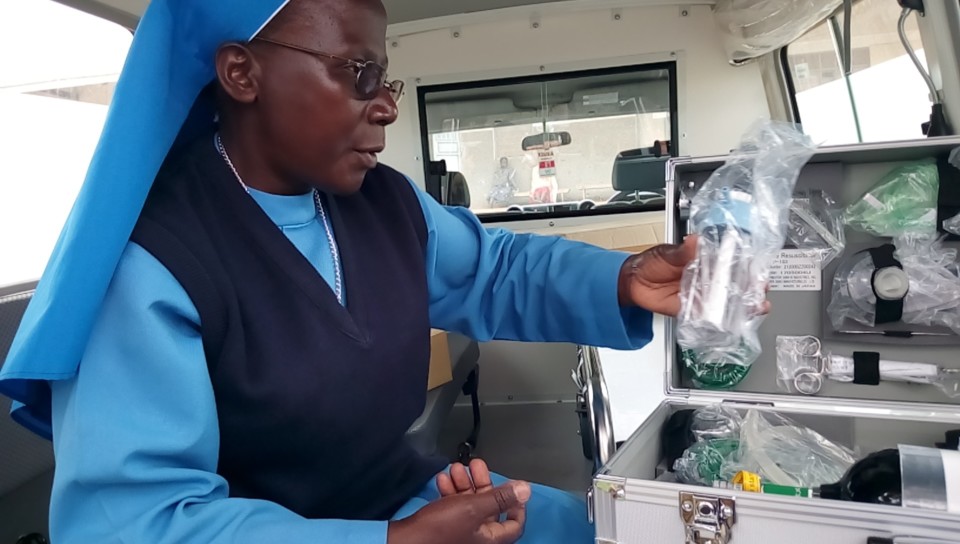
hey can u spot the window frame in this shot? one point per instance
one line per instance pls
(836, 29)
(501, 217)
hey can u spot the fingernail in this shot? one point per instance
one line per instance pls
(523, 491)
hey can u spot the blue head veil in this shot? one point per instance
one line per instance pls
(156, 104)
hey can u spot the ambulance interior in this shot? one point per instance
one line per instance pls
(549, 116)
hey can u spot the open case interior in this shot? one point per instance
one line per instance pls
(846, 175)
(645, 460)
(865, 418)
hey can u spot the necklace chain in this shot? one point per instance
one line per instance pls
(318, 204)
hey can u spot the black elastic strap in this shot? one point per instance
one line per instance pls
(888, 311)
(866, 368)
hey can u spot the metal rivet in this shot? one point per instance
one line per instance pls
(620, 493)
(536, 25)
(727, 512)
(687, 506)
(684, 13)
(617, 17)
(552, 224)
(456, 34)
(543, 68)
(509, 397)
(673, 53)
(419, 80)
(394, 44)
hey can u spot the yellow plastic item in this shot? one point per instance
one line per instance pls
(748, 480)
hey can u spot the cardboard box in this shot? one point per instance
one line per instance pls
(634, 234)
(441, 368)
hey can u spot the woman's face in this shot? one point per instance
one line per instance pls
(314, 125)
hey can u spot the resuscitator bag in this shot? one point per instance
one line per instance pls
(741, 216)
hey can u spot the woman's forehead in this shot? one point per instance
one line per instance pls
(355, 27)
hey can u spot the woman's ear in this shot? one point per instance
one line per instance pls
(238, 72)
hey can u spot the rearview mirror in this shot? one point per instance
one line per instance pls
(546, 140)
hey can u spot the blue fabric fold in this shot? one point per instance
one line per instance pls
(158, 102)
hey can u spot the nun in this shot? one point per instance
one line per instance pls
(232, 335)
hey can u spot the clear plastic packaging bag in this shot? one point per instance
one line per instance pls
(704, 462)
(786, 453)
(740, 215)
(841, 368)
(799, 364)
(933, 295)
(766, 443)
(719, 368)
(715, 421)
(816, 224)
(952, 225)
(903, 202)
(802, 366)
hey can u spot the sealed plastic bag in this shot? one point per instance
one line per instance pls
(841, 368)
(799, 364)
(716, 433)
(715, 421)
(704, 462)
(931, 298)
(773, 446)
(740, 215)
(952, 225)
(903, 202)
(786, 453)
(816, 224)
(719, 368)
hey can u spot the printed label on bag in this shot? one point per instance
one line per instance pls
(795, 270)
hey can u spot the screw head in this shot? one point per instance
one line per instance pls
(687, 506)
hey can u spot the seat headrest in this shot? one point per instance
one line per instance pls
(458, 192)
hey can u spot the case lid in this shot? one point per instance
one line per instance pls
(846, 173)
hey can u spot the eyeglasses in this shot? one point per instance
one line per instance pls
(371, 77)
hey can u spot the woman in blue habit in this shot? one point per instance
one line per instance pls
(232, 336)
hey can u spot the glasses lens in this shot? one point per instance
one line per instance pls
(370, 80)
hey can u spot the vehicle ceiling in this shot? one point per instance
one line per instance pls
(127, 12)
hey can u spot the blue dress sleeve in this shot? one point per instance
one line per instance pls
(493, 284)
(136, 435)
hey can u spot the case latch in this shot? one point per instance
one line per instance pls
(707, 519)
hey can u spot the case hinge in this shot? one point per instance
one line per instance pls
(616, 490)
(707, 519)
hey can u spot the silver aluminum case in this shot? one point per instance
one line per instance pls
(627, 509)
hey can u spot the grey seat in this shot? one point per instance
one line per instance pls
(13, 302)
(464, 355)
(451, 189)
